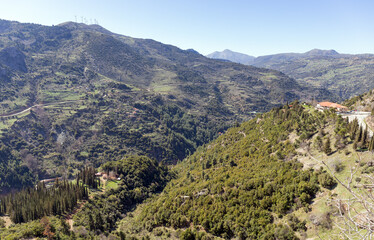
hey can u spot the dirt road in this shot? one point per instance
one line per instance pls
(36, 105)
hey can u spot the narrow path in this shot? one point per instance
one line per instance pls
(69, 217)
(36, 105)
(7, 220)
(19, 113)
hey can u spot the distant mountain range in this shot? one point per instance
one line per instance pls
(344, 74)
(232, 56)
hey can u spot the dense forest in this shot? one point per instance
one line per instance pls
(36, 202)
(140, 177)
(12, 173)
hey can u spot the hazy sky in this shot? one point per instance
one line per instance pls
(256, 28)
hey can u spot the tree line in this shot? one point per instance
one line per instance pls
(35, 202)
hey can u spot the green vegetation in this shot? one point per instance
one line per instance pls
(47, 227)
(327, 147)
(13, 175)
(245, 182)
(363, 102)
(98, 96)
(128, 106)
(140, 178)
(87, 177)
(344, 75)
(34, 203)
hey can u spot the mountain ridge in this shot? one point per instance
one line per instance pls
(100, 95)
(346, 75)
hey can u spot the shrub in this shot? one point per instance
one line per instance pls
(326, 180)
(2, 223)
(295, 223)
(338, 166)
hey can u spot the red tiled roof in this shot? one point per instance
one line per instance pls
(331, 105)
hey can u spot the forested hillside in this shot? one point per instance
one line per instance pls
(268, 178)
(96, 96)
(247, 182)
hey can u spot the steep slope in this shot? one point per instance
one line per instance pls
(244, 183)
(232, 56)
(96, 96)
(263, 179)
(363, 102)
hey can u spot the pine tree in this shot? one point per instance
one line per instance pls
(371, 144)
(358, 136)
(91, 222)
(364, 138)
(354, 127)
(355, 145)
(327, 147)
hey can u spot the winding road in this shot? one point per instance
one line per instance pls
(36, 105)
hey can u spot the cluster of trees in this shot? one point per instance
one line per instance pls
(87, 176)
(140, 178)
(13, 175)
(51, 227)
(360, 136)
(235, 185)
(34, 203)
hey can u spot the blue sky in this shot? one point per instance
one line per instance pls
(256, 28)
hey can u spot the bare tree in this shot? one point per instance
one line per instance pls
(31, 162)
(355, 214)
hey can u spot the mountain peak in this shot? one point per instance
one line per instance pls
(320, 52)
(229, 55)
(82, 26)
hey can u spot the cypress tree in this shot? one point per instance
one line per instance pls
(371, 144)
(354, 127)
(327, 147)
(358, 136)
(33, 203)
(364, 138)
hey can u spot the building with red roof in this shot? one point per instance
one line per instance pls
(328, 105)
